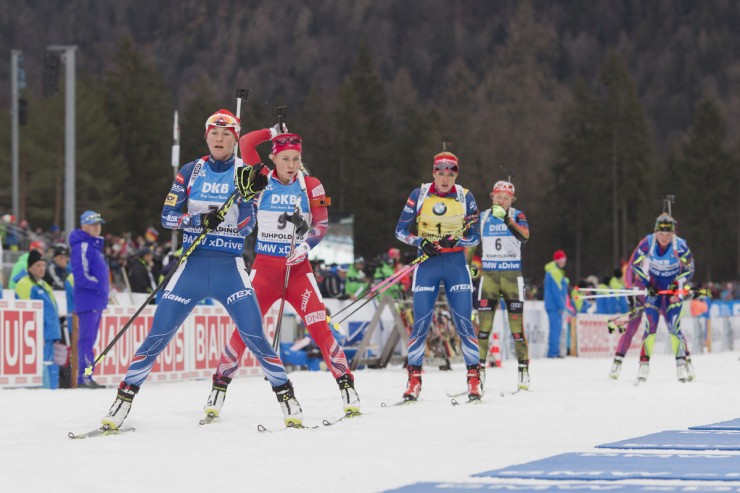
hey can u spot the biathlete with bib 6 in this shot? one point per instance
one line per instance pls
(503, 231)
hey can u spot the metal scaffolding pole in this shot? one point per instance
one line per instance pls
(68, 57)
(14, 153)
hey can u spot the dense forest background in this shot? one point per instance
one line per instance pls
(599, 108)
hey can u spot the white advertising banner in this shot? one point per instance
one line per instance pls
(21, 343)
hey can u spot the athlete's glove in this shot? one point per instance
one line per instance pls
(651, 291)
(277, 129)
(210, 220)
(498, 212)
(299, 254)
(474, 272)
(448, 242)
(250, 180)
(301, 226)
(429, 248)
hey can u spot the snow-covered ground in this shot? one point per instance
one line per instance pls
(572, 407)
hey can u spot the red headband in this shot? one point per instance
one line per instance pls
(446, 161)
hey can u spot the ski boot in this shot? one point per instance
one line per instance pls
(217, 397)
(121, 406)
(475, 389)
(292, 412)
(690, 373)
(350, 399)
(413, 387)
(482, 373)
(523, 377)
(681, 370)
(616, 367)
(642, 372)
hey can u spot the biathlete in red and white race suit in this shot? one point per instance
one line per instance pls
(663, 261)
(441, 211)
(215, 269)
(286, 186)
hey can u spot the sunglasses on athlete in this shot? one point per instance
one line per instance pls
(221, 120)
(446, 166)
(286, 140)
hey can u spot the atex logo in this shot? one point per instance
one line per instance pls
(315, 317)
(460, 287)
(304, 299)
(239, 295)
(215, 188)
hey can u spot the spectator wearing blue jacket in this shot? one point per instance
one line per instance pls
(91, 285)
(617, 282)
(606, 305)
(33, 287)
(556, 300)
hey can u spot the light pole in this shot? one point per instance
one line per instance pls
(15, 57)
(68, 57)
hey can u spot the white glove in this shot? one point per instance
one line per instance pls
(299, 254)
(276, 130)
(498, 212)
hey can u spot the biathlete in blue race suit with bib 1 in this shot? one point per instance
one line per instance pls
(441, 211)
(215, 269)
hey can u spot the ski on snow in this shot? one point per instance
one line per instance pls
(102, 431)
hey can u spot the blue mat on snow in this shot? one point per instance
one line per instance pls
(682, 440)
(559, 488)
(626, 465)
(733, 424)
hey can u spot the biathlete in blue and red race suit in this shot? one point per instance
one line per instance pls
(442, 212)
(287, 185)
(663, 261)
(215, 269)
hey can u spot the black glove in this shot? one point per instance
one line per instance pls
(652, 291)
(429, 248)
(210, 220)
(250, 180)
(474, 271)
(301, 226)
(448, 242)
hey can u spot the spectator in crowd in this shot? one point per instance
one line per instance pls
(33, 287)
(58, 269)
(728, 294)
(19, 268)
(139, 268)
(579, 304)
(91, 287)
(606, 305)
(617, 282)
(357, 281)
(333, 284)
(388, 266)
(556, 300)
